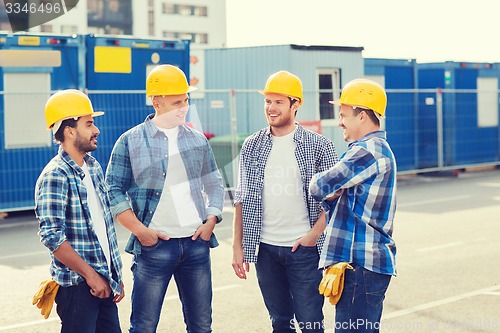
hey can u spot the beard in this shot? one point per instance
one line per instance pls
(85, 145)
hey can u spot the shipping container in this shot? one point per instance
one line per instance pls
(469, 117)
(399, 78)
(31, 68)
(116, 72)
(111, 69)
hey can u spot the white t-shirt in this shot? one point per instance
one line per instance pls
(285, 216)
(96, 209)
(176, 215)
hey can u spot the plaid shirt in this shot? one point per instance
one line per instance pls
(137, 171)
(314, 153)
(63, 214)
(361, 220)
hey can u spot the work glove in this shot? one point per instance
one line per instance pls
(45, 296)
(332, 283)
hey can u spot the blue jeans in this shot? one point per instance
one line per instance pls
(80, 312)
(289, 284)
(189, 262)
(360, 307)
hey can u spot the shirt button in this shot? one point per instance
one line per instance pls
(150, 212)
(157, 193)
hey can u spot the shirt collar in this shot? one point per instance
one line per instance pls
(72, 164)
(152, 130)
(297, 137)
(371, 135)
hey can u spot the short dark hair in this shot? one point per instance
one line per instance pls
(59, 136)
(292, 101)
(370, 113)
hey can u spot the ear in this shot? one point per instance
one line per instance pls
(69, 132)
(363, 116)
(155, 103)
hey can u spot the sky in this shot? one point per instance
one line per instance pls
(425, 30)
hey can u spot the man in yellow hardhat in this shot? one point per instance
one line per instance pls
(166, 189)
(75, 222)
(277, 224)
(360, 194)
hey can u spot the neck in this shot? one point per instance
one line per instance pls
(75, 154)
(283, 130)
(163, 122)
(368, 130)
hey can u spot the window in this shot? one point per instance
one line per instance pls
(200, 11)
(26, 106)
(197, 38)
(46, 28)
(185, 10)
(95, 9)
(487, 102)
(202, 38)
(114, 6)
(169, 34)
(328, 85)
(169, 8)
(69, 29)
(151, 22)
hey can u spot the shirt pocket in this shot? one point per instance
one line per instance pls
(193, 161)
(147, 167)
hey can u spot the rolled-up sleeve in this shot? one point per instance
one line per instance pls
(51, 198)
(212, 185)
(357, 165)
(118, 177)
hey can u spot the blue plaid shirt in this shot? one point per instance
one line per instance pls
(314, 153)
(361, 221)
(64, 215)
(137, 171)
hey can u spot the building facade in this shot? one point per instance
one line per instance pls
(203, 21)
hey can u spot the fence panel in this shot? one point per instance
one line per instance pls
(429, 130)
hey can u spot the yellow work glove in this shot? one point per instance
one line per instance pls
(332, 283)
(45, 296)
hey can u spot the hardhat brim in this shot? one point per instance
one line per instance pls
(190, 89)
(93, 114)
(263, 92)
(358, 106)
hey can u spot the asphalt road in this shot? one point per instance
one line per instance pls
(447, 232)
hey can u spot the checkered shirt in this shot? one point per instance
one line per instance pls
(64, 215)
(361, 221)
(314, 153)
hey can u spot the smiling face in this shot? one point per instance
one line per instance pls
(350, 121)
(171, 111)
(279, 113)
(86, 135)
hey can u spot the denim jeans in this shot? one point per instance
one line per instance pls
(189, 262)
(289, 284)
(360, 307)
(80, 312)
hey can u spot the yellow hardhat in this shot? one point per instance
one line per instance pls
(366, 94)
(166, 80)
(284, 83)
(66, 104)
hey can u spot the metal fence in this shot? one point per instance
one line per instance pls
(429, 130)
